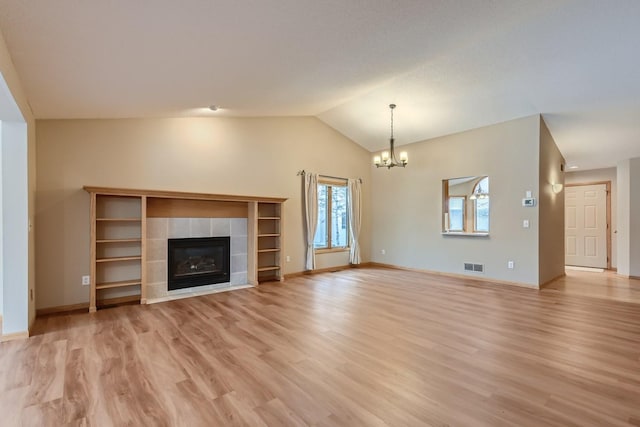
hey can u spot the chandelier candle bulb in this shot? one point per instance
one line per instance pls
(404, 157)
(385, 156)
(376, 160)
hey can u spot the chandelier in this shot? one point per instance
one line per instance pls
(481, 191)
(387, 159)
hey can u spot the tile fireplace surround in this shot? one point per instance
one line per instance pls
(159, 230)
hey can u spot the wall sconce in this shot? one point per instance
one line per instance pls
(556, 188)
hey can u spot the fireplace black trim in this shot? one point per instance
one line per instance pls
(174, 283)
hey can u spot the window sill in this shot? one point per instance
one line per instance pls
(465, 233)
(331, 250)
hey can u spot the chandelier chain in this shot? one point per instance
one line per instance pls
(392, 121)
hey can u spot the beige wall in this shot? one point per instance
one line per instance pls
(247, 156)
(633, 216)
(602, 175)
(628, 183)
(551, 211)
(15, 86)
(623, 218)
(260, 156)
(407, 203)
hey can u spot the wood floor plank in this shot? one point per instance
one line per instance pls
(232, 411)
(285, 391)
(362, 347)
(48, 373)
(342, 408)
(276, 413)
(188, 406)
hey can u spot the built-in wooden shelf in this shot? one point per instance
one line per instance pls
(121, 284)
(136, 240)
(266, 220)
(118, 225)
(120, 258)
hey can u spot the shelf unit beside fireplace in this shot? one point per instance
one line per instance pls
(117, 246)
(266, 219)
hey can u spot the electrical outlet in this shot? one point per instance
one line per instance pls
(288, 258)
(86, 280)
(383, 251)
(510, 265)
(525, 223)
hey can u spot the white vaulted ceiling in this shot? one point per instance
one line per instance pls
(449, 65)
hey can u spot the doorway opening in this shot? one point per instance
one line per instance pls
(14, 219)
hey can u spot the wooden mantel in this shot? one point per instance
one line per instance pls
(108, 191)
(264, 231)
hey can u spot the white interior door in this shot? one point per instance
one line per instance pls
(586, 225)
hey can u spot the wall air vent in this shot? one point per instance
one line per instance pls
(478, 268)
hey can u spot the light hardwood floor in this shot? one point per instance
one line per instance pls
(364, 346)
(606, 285)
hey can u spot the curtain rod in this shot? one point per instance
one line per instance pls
(302, 172)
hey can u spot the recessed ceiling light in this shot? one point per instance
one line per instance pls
(214, 107)
(573, 167)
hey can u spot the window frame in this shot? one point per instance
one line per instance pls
(330, 183)
(475, 208)
(464, 213)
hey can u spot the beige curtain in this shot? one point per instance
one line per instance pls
(311, 215)
(355, 218)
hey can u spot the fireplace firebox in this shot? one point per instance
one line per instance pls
(198, 262)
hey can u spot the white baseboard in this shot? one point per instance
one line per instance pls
(578, 268)
(14, 336)
(457, 275)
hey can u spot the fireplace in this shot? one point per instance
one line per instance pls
(198, 262)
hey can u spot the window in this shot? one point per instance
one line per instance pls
(333, 217)
(481, 206)
(456, 213)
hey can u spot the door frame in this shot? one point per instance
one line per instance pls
(608, 215)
